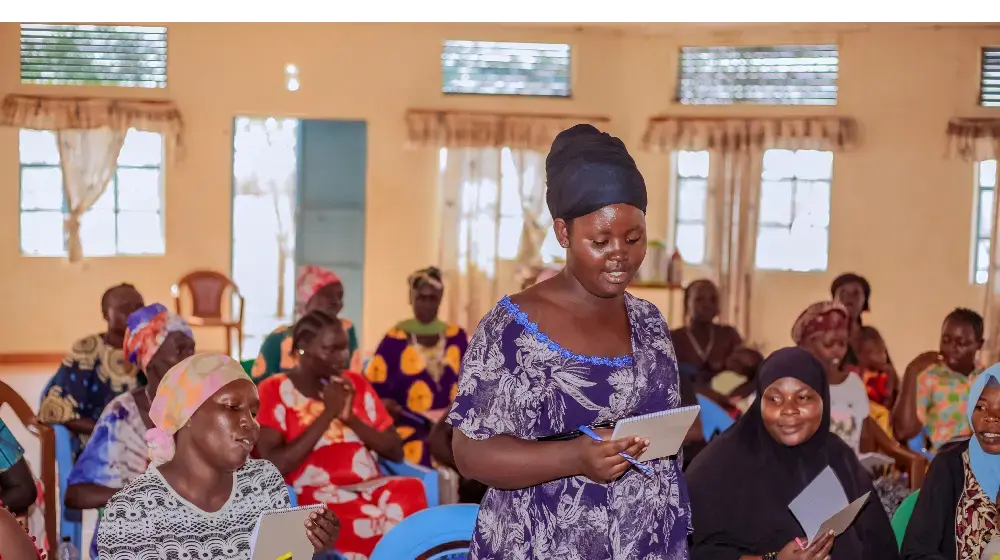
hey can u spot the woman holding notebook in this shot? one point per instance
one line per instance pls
(743, 482)
(574, 350)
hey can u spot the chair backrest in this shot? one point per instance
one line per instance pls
(47, 439)
(714, 419)
(901, 518)
(432, 534)
(71, 522)
(208, 290)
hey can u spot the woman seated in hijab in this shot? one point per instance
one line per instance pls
(323, 426)
(203, 493)
(822, 330)
(95, 370)
(316, 288)
(415, 367)
(956, 512)
(155, 341)
(742, 484)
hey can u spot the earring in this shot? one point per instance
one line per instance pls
(302, 352)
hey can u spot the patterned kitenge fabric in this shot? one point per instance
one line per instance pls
(148, 520)
(92, 374)
(516, 381)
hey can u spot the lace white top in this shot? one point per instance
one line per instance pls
(148, 520)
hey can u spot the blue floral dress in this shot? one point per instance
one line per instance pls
(516, 381)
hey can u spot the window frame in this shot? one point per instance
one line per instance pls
(794, 181)
(978, 189)
(448, 90)
(678, 221)
(116, 209)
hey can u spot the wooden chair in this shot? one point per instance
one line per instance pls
(47, 438)
(208, 291)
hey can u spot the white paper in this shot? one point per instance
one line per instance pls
(992, 551)
(843, 518)
(822, 499)
(873, 461)
(665, 430)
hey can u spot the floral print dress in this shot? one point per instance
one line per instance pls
(341, 472)
(516, 381)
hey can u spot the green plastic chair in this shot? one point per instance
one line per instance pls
(247, 365)
(902, 517)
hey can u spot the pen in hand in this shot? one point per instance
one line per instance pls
(645, 469)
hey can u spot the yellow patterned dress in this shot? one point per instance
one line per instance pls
(91, 375)
(421, 379)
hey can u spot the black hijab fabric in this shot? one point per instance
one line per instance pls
(742, 483)
(586, 170)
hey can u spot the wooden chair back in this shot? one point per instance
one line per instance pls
(47, 438)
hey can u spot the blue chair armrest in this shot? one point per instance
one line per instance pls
(292, 498)
(71, 521)
(428, 476)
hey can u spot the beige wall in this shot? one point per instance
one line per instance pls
(901, 213)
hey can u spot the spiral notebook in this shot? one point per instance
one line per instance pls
(665, 430)
(281, 534)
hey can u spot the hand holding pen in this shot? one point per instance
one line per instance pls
(604, 461)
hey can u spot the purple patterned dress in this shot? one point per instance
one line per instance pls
(517, 382)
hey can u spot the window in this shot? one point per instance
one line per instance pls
(505, 68)
(794, 222)
(690, 205)
(126, 220)
(986, 185)
(107, 55)
(776, 75)
(989, 85)
(491, 215)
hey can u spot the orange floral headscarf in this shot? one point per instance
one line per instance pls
(181, 393)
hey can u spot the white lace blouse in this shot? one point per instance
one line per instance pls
(148, 520)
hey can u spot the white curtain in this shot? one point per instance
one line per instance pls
(530, 178)
(88, 159)
(975, 140)
(469, 236)
(731, 224)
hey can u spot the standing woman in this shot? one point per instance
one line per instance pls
(95, 370)
(742, 483)
(415, 368)
(854, 292)
(703, 346)
(574, 350)
(316, 288)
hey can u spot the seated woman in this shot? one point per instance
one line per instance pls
(742, 483)
(14, 541)
(956, 512)
(822, 330)
(20, 494)
(203, 493)
(95, 370)
(316, 288)
(415, 367)
(323, 426)
(155, 341)
(935, 385)
(855, 293)
(702, 345)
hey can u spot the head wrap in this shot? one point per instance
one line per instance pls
(819, 317)
(426, 276)
(742, 483)
(147, 329)
(586, 170)
(312, 278)
(986, 467)
(851, 278)
(181, 393)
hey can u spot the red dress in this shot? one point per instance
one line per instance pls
(341, 472)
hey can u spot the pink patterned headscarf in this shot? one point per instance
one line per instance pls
(311, 279)
(181, 393)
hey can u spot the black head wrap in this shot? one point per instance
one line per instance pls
(586, 170)
(851, 278)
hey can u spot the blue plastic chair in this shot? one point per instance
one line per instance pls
(435, 534)
(428, 476)
(70, 520)
(918, 443)
(714, 419)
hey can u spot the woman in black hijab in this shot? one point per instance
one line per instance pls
(742, 483)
